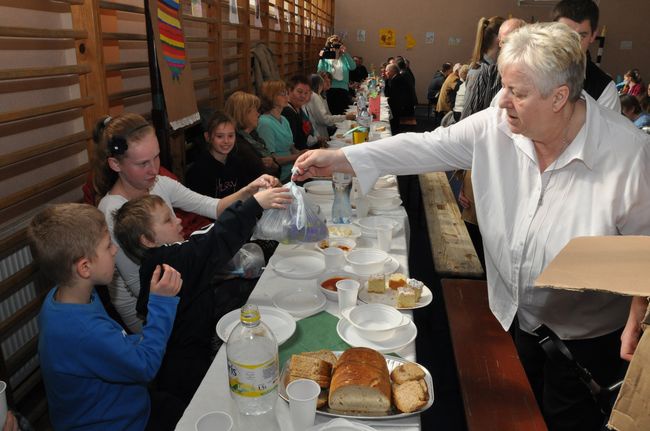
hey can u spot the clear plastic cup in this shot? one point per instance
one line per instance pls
(334, 257)
(384, 236)
(348, 290)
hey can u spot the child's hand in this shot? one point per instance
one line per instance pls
(169, 284)
(277, 197)
(264, 182)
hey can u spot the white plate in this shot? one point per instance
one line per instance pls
(400, 339)
(390, 298)
(369, 224)
(392, 362)
(300, 302)
(344, 230)
(390, 266)
(298, 264)
(319, 187)
(341, 424)
(280, 322)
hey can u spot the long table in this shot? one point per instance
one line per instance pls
(213, 393)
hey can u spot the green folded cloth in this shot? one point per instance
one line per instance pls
(313, 333)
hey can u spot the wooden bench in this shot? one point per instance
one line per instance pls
(453, 252)
(495, 391)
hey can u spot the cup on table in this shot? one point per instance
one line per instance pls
(3, 403)
(347, 290)
(334, 257)
(363, 205)
(303, 396)
(214, 421)
(360, 136)
(384, 236)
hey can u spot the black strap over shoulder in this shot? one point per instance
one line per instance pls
(558, 353)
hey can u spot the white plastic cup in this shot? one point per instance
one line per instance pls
(334, 257)
(363, 206)
(3, 403)
(213, 421)
(303, 397)
(384, 236)
(348, 290)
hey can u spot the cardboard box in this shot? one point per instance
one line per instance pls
(619, 264)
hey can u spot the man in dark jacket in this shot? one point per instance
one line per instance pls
(436, 84)
(400, 97)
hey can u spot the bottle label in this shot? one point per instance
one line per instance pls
(253, 380)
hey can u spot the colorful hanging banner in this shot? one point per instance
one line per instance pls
(175, 69)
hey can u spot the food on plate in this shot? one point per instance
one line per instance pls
(406, 297)
(325, 355)
(381, 129)
(410, 392)
(397, 280)
(312, 368)
(417, 287)
(406, 372)
(410, 396)
(360, 382)
(330, 283)
(340, 231)
(377, 283)
(327, 244)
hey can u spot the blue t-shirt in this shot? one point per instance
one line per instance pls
(95, 374)
(643, 120)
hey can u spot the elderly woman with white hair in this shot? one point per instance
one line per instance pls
(549, 164)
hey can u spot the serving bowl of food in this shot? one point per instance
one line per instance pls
(345, 244)
(327, 282)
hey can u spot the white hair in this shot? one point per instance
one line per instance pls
(552, 53)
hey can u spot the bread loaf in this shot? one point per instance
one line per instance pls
(307, 367)
(360, 382)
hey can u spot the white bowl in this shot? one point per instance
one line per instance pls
(376, 322)
(383, 199)
(369, 224)
(345, 244)
(332, 294)
(367, 260)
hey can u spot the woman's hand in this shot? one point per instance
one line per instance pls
(463, 200)
(632, 332)
(278, 197)
(350, 116)
(169, 284)
(318, 163)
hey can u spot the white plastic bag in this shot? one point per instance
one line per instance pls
(295, 224)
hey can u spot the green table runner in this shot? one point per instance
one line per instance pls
(313, 333)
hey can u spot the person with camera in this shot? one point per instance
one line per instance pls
(335, 60)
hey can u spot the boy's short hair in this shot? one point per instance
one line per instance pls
(296, 80)
(578, 11)
(64, 233)
(132, 221)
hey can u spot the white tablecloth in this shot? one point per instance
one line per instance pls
(213, 393)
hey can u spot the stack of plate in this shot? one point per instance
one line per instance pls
(369, 225)
(298, 264)
(300, 302)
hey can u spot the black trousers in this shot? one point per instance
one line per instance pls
(565, 401)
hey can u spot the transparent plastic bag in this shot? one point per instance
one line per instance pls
(297, 223)
(248, 262)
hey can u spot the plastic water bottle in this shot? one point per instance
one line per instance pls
(341, 208)
(364, 118)
(252, 353)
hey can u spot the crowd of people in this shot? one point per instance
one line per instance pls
(534, 124)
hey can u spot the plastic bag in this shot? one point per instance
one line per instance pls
(248, 262)
(297, 223)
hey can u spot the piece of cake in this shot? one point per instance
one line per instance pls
(377, 283)
(417, 286)
(405, 297)
(397, 280)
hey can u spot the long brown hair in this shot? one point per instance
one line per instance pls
(112, 137)
(487, 32)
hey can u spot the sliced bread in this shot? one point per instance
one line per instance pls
(410, 396)
(406, 372)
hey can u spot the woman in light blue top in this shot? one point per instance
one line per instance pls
(275, 129)
(335, 60)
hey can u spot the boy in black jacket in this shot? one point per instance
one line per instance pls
(150, 233)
